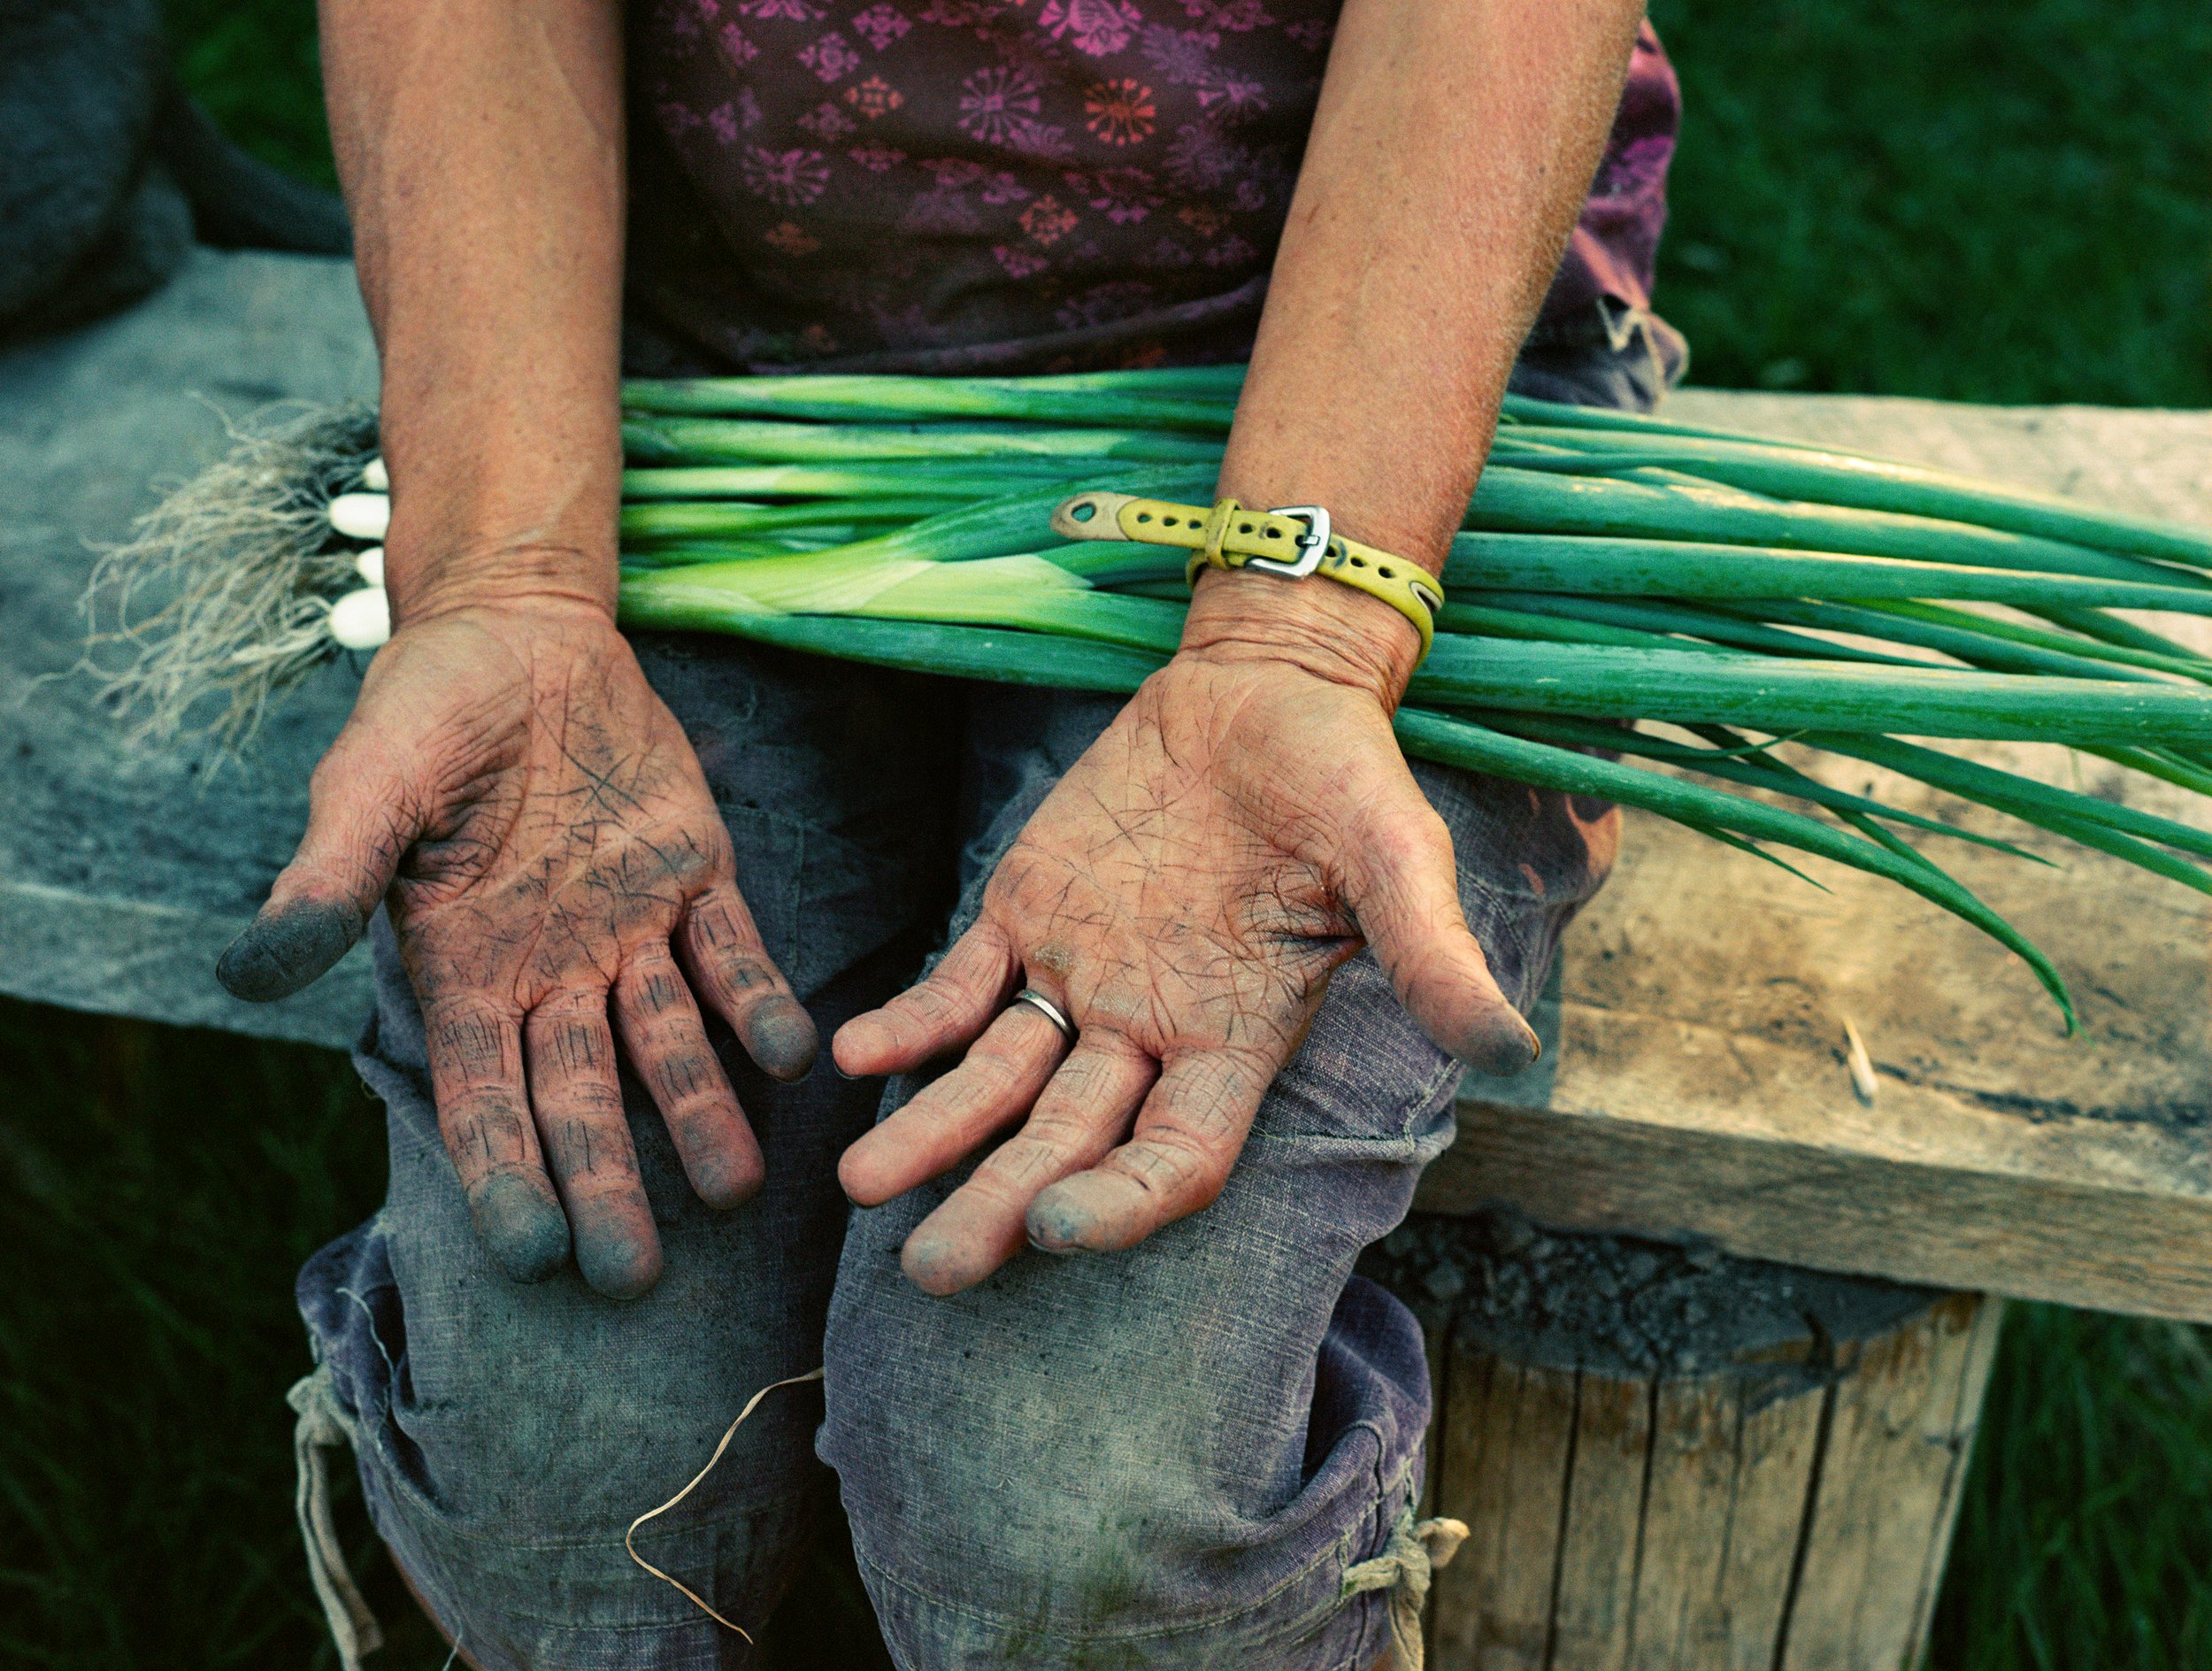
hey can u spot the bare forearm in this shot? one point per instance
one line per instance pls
(1454, 145)
(479, 143)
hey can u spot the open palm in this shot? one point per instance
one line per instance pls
(1183, 895)
(555, 868)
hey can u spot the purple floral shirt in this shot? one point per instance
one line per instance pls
(1034, 185)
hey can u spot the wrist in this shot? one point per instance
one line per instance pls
(489, 511)
(518, 576)
(1324, 629)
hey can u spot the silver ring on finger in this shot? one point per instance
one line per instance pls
(1046, 1008)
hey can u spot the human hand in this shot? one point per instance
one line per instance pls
(536, 822)
(1243, 827)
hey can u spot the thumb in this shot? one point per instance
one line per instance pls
(1403, 888)
(360, 820)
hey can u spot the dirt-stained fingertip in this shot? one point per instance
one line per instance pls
(1500, 1045)
(620, 1259)
(1058, 1225)
(935, 1266)
(286, 948)
(521, 1226)
(780, 1036)
(725, 1181)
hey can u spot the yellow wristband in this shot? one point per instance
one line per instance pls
(1293, 541)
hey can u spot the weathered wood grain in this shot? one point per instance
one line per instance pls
(1729, 1459)
(1900, 1426)
(1505, 1466)
(1602, 1543)
(1659, 1125)
(1783, 1516)
(1778, 1438)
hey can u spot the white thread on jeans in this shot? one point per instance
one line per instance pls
(728, 1434)
(322, 1427)
(1416, 1550)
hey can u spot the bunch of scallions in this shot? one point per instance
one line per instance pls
(1612, 568)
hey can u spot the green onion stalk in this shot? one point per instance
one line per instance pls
(1614, 574)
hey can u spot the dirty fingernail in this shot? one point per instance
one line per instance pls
(934, 1266)
(725, 1181)
(1502, 1046)
(619, 1254)
(1057, 1225)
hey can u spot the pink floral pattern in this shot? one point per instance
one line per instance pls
(1124, 196)
(881, 25)
(997, 103)
(1019, 263)
(957, 184)
(1121, 112)
(826, 122)
(787, 178)
(1096, 26)
(831, 57)
(874, 97)
(1047, 220)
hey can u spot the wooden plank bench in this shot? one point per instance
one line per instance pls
(1784, 1497)
(1775, 1492)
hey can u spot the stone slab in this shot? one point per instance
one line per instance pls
(123, 872)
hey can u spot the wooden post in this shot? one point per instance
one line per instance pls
(1670, 1459)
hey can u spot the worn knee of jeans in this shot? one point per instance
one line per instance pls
(1166, 1456)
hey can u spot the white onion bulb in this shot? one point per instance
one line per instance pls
(361, 619)
(361, 516)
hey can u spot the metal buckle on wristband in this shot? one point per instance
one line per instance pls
(1313, 544)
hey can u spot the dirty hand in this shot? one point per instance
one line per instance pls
(1243, 828)
(535, 821)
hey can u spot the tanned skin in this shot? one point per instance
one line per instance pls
(532, 815)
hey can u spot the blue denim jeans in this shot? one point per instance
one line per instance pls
(1169, 1457)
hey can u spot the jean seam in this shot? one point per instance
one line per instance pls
(1398, 1128)
(1394, 1498)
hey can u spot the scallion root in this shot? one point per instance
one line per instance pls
(221, 595)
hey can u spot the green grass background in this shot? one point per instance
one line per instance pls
(2000, 200)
